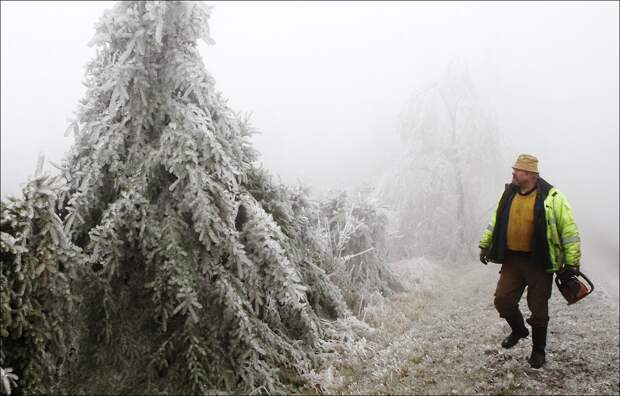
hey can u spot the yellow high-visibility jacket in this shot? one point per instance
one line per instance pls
(555, 241)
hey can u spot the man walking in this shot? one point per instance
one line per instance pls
(532, 233)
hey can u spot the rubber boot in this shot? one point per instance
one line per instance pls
(518, 330)
(539, 343)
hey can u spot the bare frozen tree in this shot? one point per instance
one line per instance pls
(439, 187)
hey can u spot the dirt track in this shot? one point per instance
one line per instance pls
(444, 337)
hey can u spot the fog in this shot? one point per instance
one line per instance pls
(326, 85)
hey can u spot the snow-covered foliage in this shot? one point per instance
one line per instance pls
(445, 182)
(198, 281)
(8, 380)
(38, 267)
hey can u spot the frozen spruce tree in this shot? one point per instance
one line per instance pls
(191, 285)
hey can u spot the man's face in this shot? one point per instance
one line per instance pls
(522, 178)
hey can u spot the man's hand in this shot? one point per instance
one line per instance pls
(567, 272)
(484, 259)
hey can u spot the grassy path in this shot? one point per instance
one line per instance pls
(443, 338)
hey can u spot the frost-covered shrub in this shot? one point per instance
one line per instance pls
(299, 218)
(344, 237)
(37, 268)
(356, 248)
(196, 282)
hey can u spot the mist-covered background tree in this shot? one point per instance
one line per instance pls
(193, 282)
(444, 182)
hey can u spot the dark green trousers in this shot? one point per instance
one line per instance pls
(517, 273)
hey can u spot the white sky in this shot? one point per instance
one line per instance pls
(325, 83)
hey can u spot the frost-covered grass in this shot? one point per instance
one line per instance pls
(443, 337)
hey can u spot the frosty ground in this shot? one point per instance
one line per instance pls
(443, 337)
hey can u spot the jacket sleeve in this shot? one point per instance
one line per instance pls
(567, 230)
(487, 234)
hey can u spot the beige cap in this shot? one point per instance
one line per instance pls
(526, 162)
